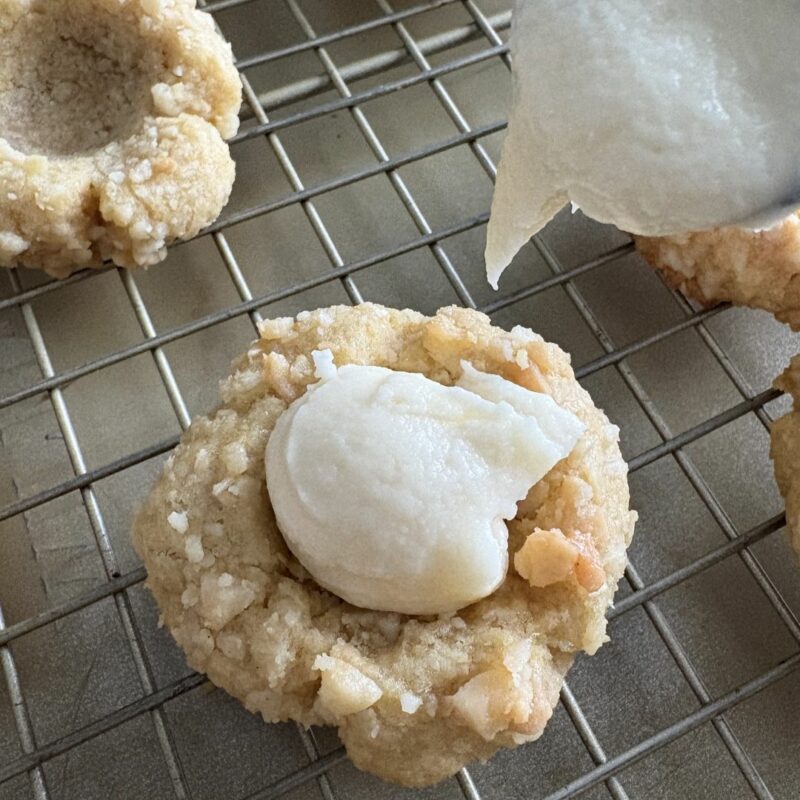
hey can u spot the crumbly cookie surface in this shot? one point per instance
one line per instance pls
(785, 450)
(414, 698)
(756, 269)
(114, 114)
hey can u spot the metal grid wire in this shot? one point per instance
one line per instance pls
(461, 38)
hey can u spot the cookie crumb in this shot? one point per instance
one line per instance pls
(179, 521)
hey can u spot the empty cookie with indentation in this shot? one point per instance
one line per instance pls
(114, 116)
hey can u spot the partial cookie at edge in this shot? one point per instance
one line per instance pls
(760, 269)
(785, 450)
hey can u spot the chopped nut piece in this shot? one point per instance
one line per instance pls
(529, 377)
(231, 645)
(276, 372)
(344, 688)
(179, 521)
(589, 570)
(194, 549)
(234, 457)
(511, 697)
(483, 701)
(546, 557)
(589, 573)
(221, 598)
(410, 702)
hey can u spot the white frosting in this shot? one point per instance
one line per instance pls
(391, 489)
(659, 117)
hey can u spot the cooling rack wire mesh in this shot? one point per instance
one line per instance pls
(370, 137)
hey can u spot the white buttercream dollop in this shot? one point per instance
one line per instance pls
(659, 117)
(391, 489)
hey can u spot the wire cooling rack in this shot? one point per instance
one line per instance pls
(370, 135)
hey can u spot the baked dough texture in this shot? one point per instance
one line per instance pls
(785, 450)
(414, 698)
(760, 269)
(113, 115)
